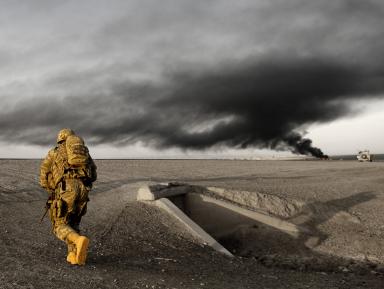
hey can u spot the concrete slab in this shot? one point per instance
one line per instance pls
(151, 193)
(191, 226)
(145, 194)
(213, 216)
(207, 210)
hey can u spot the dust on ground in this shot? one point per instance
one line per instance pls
(134, 245)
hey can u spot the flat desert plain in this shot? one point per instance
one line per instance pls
(339, 205)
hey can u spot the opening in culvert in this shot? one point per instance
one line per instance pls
(265, 234)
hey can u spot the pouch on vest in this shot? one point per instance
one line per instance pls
(77, 152)
(59, 208)
(50, 182)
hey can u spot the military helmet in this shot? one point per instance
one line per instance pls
(63, 134)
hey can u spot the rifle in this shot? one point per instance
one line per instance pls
(47, 205)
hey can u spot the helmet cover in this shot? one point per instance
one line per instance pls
(63, 134)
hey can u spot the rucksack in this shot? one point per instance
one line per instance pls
(77, 152)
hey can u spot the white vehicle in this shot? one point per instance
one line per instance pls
(364, 156)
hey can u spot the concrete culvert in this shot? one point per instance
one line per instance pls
(242, 231)
(274, 230)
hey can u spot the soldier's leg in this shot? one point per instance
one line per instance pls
(60, 216)
(75, 217)
(74, 196)
(77, 244)
(79, 210)
(79, 205)
(61, 230)
(60, 208)
(81, 244)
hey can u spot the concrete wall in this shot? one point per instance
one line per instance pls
(220, 218)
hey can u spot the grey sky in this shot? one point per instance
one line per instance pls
(101, 66)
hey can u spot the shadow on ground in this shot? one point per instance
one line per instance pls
(273, 247)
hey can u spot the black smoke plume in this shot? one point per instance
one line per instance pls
(264, 104)
(303, 146)
(193, 75)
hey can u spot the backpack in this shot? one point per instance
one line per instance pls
(77, 152)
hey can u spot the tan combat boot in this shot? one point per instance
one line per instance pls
(81, 243)
(71, 257)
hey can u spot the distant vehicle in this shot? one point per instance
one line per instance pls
(364, 156)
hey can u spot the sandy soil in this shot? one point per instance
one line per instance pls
(134, 245)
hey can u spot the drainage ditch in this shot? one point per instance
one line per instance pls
(254, 225)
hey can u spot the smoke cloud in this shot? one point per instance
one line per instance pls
(263, 104)
(192, 75)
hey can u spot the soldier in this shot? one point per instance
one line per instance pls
(67, 174)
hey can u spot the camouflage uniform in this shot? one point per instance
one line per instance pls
(68, 189)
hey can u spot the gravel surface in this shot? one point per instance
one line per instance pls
(135, 245)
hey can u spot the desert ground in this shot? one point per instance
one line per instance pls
(136, 245)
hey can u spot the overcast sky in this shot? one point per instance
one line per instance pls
(204, 78)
